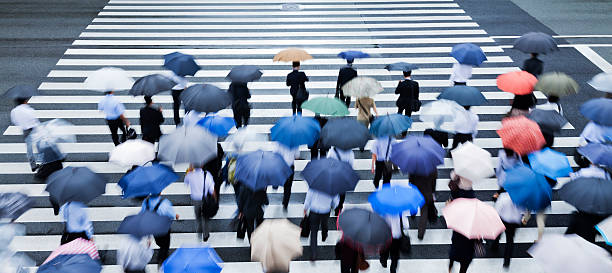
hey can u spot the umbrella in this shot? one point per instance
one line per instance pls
(468, 53)
(521, 135)
(417, 155)
(49, 152)
(76, 246)
(275, 243)
(205, 98)
(550, 121)
(463, 95)
(244, 135)
(188, 145)
(364, 227)
(557, 84)
(292, 55)
(472, 162)
(151, 85)
(570, 253)
(473, 218)
(181, 64)
(202, 259)
(598, 110)
(75, 184)
(330, 176)
(295, 131)
(588, 194)
(362, 87)
(145, 223)
(108, 79)
(550, 163)
(605, 229)
(326, 106)
(21, 91)
(401, 66)
(74, 263)
(217, 125)
(602, 82)
(527, 189)
(535, 42)
(394, 200)
(54, 131)
(441, 111)
(600, 154)
(517, 82)
(334, 133)
(258, 169)
(143, 181)
(244, 73)
(390, 125)
(352, 54)
(133, 152)
(14, 204)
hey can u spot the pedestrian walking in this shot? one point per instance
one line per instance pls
(215, 166)
(393, 250)
(240, 104)
(347, 156)
(408, 91)
(511, 217)
(202, 186)
(461, 73)
(181, 84)
(163, 207)
(462, 249)
(77, 222)
(134, 254)
(289, 155)
(250, 207)
(365, 107)
(522, 104)
(296, 80)
(466, 127)
(381, 152)
(533, 65)
(151, 118)
(427, 187)
(113, 110)
(24, 117)
(317, 150)
(317, 206)
(588, 169)
(345, 74)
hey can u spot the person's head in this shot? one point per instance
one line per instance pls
(553, 98)
(296, 65)
(581, 160)
(20, 101)
(148, 100)
(509, 152)
(523, 102)
(467, 107)
(108, 93)
(534, 55)
(407, 73)
(350, 61)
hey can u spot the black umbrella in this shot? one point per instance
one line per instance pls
(588, 194)
(364, 227)
(205, 98)
(21, 91)
(151, 85)
(536, 42)
(145, 223)
(550, 121)
(71, 263)
(344, 133)
(244, 73)
(14, 204)
(330, 176)
(75, 184)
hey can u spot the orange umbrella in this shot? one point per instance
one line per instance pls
(517, 82)
(292, 55)
(521, 135)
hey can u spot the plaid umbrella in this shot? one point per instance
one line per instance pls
(292, 55)
(76, 246)
(521, 135)
(517, 82)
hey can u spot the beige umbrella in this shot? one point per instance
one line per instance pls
(275, 243)
(362, 87)
(557, 84)
(292, 55)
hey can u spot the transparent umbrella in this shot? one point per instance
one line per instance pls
(441, 113)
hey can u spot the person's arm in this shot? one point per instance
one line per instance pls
(416, 91)
(288, 80)
(398, 90)
(121, 109)
(160, 116)
(373, 161)
(374, 107)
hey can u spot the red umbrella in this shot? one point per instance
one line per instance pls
(76, 246)
(517, 82)
(521, 135)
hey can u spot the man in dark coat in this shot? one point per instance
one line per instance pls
(250, 207)
(150, 119)
(427, 186)
(240, 105)
(296, 80)
(408, 91)
(533, 65)
(345, 74)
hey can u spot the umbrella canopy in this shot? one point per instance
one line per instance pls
(441, 112)
(217, 125)
(401, 66)
(550, 121)
(275, 243)
(143, 181)
(394, 200)
(326, 106)
(21, 91)
(473, 218)
(352, 54)
(600, 154)
(334, 133)
(151, 85)
(364, 228)
(517, 82)
(521, 135)
(258, 169)
(145, 223)
(202, 259)
(463, 95)
(602, 82)
(74, 263)
(75, 184)
(14, 204)
(292, 55)
(417, 155)
(362, 87)
(76, 246)
(330, 176)
(188, 145)
(536, 42)
(550, 163)
(244, 73)
(54, 131)
(468, 53)
(605, 229)
(244, 135)
(472, 162)
(598, 110)
(527, 189)
(48, 151)
(108, 79)
(181, 64)
(205, 98)
(133, 152)
(557, 84)
(588, 194)
(390, 125)
(295, 131)
(570, 254)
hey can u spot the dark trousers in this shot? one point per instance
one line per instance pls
(164, 246)
(348, 268)
(252, 222)
(463, 268)
(68, 237)
(510, 231)
(404, 109)
(241, 116)
(315, 152)
(114, 125)
(135, 271)
(459, 83)
(380, 171)
(316, 220)
(296, 107)
(176, 105)
(459, 138)
(340, 204)
(149, 138)
(346, 100)
(287, 187)
(392, 251)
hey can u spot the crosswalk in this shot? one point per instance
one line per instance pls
(134, 34)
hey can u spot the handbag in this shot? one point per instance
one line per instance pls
(240, 227)
(305, 226)
(130, 133)
(210, 206)
(404, 242)
(301, 95)
(415, 105)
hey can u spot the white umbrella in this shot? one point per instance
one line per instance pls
(441, 111)
(275, 243)
(109, 79)
(46, 136)
(133, 152)
(602, 82)
(472, 162)
(570, 254)
(605, 228)
(244, 135)
(362, 87)
(188, 145)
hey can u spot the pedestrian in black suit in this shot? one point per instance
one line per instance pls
(240, 105)
(408, 91)
(317, 150)
(296, 80)
(345, 74)
(150, 119)
(250, 207)
(533, 65)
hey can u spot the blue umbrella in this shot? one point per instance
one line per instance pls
(181, 64)
(463, 95)
(217, 125)
(597, 153)
(147, 180)
(468, 54)
(259, 169)
(295, 131)
(401, 66)
(550, 163)
(193, 259)
(588, 194)
(390, 125)
(330, 176)
(145, 223)
(527, 189)
(334, 134)
(73, 263)
(21, 91)
(352, 54)
(205, 98)
(151, 84)
(598, 110)
(417, 155)
(244, 73)
(395, 200)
